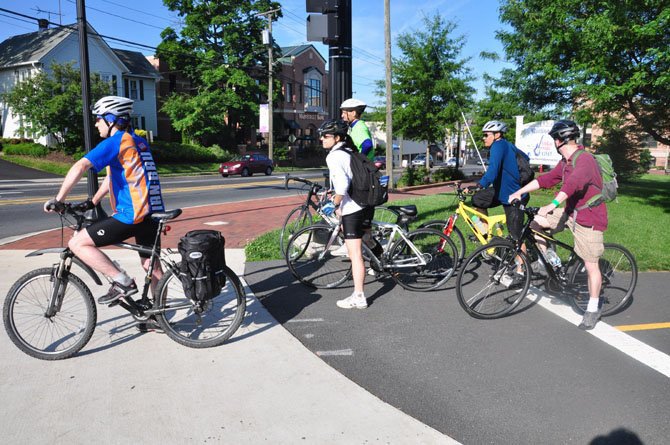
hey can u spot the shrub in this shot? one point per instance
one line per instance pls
(173, 152)
(26, 149)
(413, 176)
(221, 154)
(447, 174)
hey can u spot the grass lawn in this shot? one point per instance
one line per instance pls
(637, 221)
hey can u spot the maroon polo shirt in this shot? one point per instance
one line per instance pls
(580, 183)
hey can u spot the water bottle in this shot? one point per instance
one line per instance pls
(552, 258)
(479, 224)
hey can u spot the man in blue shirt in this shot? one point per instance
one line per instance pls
(502, 174)
(134, 192)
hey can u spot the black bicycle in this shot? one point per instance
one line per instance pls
(496, 277)
(50, 313)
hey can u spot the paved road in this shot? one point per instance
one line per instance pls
(527, 379)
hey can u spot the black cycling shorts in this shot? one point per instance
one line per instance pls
(108, 231)
(355, 224)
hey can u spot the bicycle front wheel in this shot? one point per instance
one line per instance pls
(493, 280)
(204, 324)
(317, 256)
(45, 336)
(456, 235)
(436, 250)
(297, 219)
(619, 272)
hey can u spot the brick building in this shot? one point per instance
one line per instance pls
(304, 102)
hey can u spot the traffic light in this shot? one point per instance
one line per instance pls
(325, 24)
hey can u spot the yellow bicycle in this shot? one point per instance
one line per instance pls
(494, 224)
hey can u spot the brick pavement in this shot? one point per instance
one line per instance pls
(240, 222)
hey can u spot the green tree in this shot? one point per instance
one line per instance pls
(50, 103)
(602, 58)
(431, 82)
(220, 51)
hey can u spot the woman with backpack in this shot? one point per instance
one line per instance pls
(356, 220)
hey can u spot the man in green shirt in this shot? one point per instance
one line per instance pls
(352, 109)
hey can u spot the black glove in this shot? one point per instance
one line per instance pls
(87, 205)
(54, 205)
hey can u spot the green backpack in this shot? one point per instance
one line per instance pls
(609, 191)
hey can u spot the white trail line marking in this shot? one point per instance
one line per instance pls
(630, 346)
(337, 352)
(305, 320)
(216, 223)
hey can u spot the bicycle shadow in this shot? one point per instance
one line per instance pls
(122, 329)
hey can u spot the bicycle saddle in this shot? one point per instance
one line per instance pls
(170, 214)
(408, 210)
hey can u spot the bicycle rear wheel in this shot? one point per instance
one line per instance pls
(205, 324)
(490, 284)
(456, 235)
(49, 337)
(619, 271)
(297, 219)
(437, 250)
(316, 256)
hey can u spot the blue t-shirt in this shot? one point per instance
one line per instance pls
(503, 171)
(134, 188)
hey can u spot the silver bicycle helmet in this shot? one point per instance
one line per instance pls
(115, 105)
(353, 104)
(495, 127)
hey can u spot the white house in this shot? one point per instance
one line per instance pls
(128, 73)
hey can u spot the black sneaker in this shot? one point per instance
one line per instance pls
(116, 291)
(590, 320)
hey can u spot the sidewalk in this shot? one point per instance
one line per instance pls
(262, 386)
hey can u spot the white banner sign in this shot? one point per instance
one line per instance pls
(534, 140)
(263, 119)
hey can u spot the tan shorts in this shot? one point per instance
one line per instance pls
(588, 242)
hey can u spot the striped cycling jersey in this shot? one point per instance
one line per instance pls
(134, 188)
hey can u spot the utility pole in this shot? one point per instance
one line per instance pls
(389, 92)
(268, 40)
(91, 176)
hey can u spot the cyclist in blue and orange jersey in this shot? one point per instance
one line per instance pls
(352, 109)
(501, 178)
(134, 191)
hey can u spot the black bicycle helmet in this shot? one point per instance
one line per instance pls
(564, 130)
(334, 126)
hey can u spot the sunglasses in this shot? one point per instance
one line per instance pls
(485, 135)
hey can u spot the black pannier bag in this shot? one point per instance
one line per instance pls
(202, 261)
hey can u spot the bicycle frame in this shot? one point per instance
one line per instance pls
(396, 230)
(494, 222)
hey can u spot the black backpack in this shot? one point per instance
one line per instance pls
(526, 173)
(202, 261)
(366, 189)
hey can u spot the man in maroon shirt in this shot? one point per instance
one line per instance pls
(587, 223)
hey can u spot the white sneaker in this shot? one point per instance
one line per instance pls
(354, 301)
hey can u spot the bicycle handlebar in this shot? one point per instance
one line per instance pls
(316, 186)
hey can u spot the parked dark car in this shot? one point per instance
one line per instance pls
(380, 162)
(247, 165)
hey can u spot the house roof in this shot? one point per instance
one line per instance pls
(292, 51)
(32, 47)
(137, 64)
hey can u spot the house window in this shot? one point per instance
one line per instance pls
(136, 121)
(110, 80)
(134, 90)
(21, 75)
(289, 92)
(313, 93)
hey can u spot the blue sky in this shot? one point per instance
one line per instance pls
(143, 21)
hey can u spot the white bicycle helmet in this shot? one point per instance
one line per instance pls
(115, 105)
(353, 104)
(495, 127)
